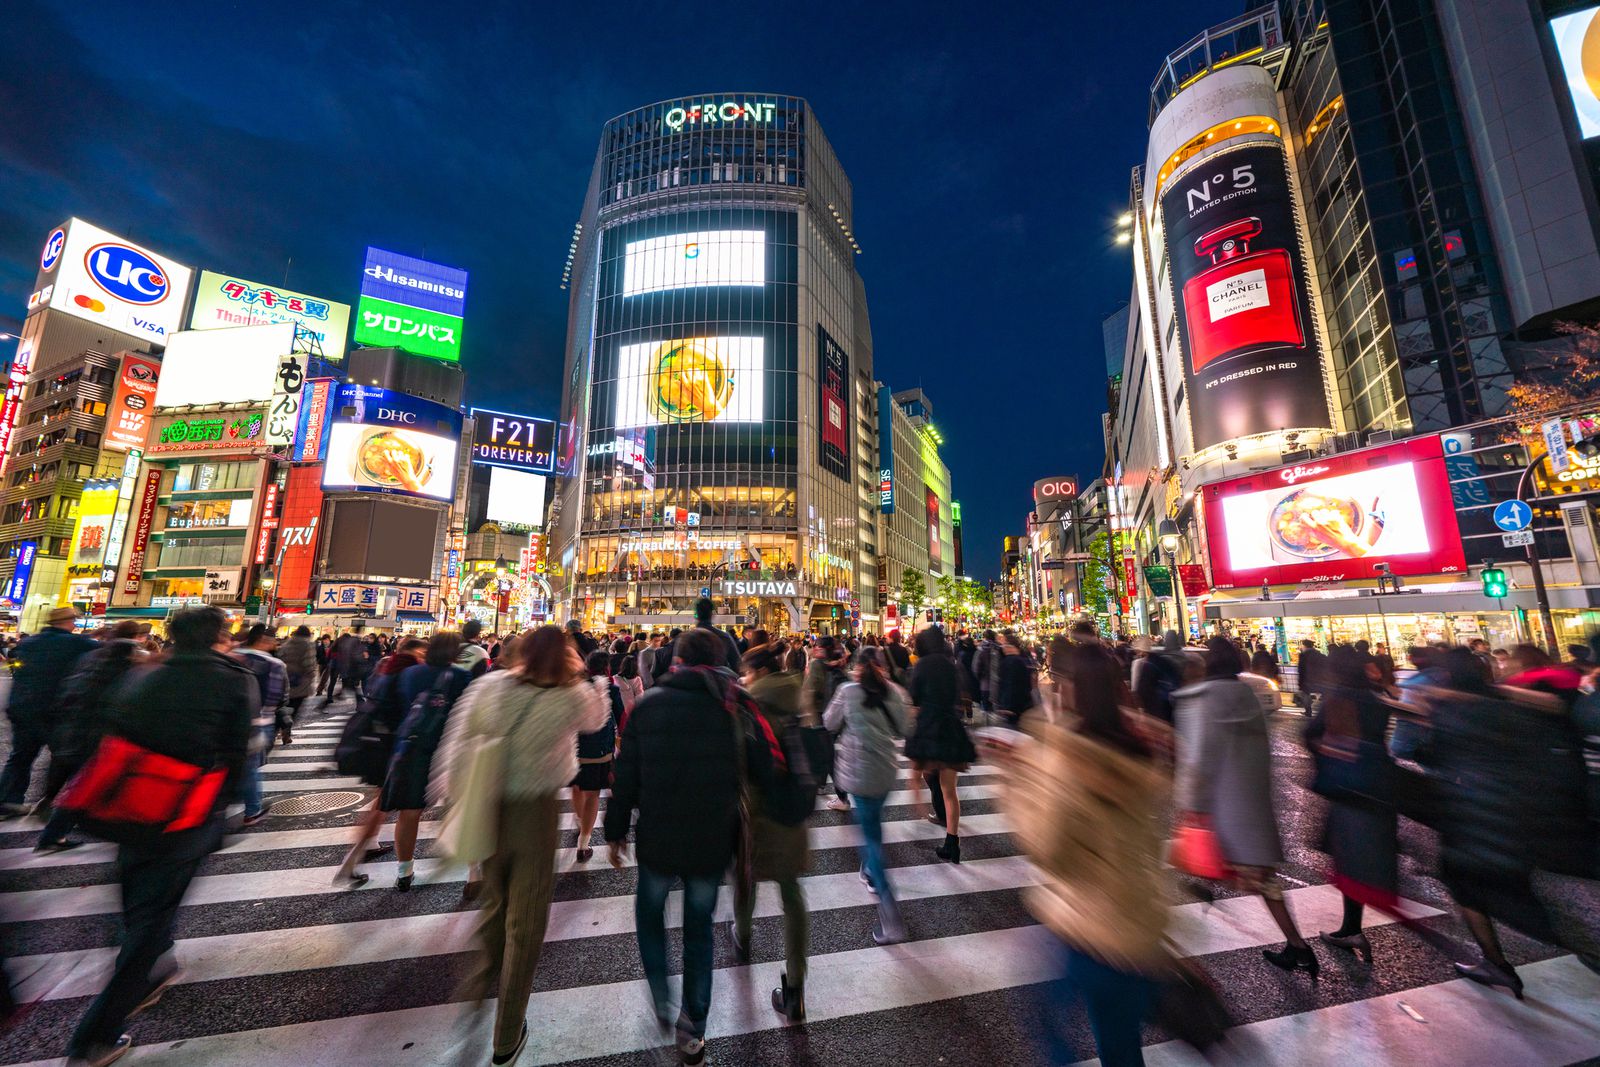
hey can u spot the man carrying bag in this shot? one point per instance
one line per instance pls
(177, 735)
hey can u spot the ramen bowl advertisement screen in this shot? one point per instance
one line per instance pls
(387, 442)
(694, 379)
(1335, 518)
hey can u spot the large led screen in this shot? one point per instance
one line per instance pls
(238, 365)
(387, 442)
(516, 498)
(1578, 43)
(697, 379)
(1241, 295)
(690, 260)
(1336, 518)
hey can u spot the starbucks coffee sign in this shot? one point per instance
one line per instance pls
(758, 588)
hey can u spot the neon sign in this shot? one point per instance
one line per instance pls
(713, 113)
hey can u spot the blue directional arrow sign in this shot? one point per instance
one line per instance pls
(1513, 515)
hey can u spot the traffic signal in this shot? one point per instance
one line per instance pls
(753, 565)
(1494, 583)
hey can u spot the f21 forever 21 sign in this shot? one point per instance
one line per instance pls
(1252, 362)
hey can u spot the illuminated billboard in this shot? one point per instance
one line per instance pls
(691, 260)
(516, 498)
(222, 300)
(411, 304)
(1241, 296)
(128, 421)
(232, 366)
(1578, 44)
(1335, 518)
(95, 275)
(833, 387)
(388, 442)
(698, 379)
(96, 507)
(521, 442)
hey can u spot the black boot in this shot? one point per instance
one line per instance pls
(790, 1000)
(950, 850)
(1293, 959)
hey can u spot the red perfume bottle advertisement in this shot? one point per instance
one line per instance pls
(1244, 301)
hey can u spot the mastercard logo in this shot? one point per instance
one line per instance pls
(88, 302)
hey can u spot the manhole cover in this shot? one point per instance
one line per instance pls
(317, 803)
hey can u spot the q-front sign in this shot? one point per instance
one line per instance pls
(717, 113)
(758, 588)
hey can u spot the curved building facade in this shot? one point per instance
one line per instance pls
(718, 348)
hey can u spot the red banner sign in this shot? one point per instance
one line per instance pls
(128, 422)
(1130, 581)
(1193, 578)
(141, 532)
(297, 533)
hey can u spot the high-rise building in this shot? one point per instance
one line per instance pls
(718, 374)
(915, 528)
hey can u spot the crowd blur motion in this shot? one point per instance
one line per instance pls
(1135, 774)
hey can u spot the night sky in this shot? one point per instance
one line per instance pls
(990, 153)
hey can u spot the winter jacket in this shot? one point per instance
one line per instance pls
(1015, 693)
(349, 657)
(864, 759)
(82, 706)
(301, 661)
(822, 681)
(1090, 819)
(781, 851)
(679, 767)
(631, 689)
(986, 667)
(598, 746)
(196, 707)
(473, 659)
(43, 663)
(1225, 768)
(540, 726)
(939, 735)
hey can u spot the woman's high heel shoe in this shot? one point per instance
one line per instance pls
(1293, 959)
(1356, 943)
(1492, 974)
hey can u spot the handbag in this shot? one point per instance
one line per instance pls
(1195, 849)
(126, 791)
(1188, 1006)
(365, 745)
(471, 828)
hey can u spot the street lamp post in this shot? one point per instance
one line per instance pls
(1167, 534)
(500, 567)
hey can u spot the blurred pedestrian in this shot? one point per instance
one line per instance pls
(1310, 670)
(386, 707)
(597, 749)
(196, 708)
(938, 748)
(693, 747)
(300, 659)
(1085, 800)
(272, 683)
(39, 666)
(868, 714)
(537, 711)
(1225, 774)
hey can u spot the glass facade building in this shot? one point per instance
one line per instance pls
(717, 329)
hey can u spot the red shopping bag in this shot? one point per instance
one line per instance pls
(1195, 849)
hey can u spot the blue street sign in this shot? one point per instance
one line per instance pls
(705, 590)
(1513, 515)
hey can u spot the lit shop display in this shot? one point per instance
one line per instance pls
(1252, 362)
(1336, 518)
(700, 379)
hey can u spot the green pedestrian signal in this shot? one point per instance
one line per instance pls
(1494, 583)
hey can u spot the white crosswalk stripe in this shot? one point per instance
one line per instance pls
(264, 905)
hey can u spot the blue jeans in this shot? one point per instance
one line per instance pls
(1116, 1002)
(869, 815)
(252, 770)
(699, 904)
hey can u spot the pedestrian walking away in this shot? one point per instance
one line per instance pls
(43, 663)
(938, 747)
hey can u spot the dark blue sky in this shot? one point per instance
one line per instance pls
(989, 148)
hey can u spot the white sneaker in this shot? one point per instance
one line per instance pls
(835, 804)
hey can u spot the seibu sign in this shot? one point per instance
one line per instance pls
(758, 588)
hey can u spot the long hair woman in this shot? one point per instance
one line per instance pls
(538, 710)
(389, 707)
(939, 748)
(596, 752)
(1085, 800)
(867, 715)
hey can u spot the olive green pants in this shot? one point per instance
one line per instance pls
(796, 925)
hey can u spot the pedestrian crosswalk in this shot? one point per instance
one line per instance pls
(282, 967)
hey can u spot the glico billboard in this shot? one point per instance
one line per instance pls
(1241, 294)
(1336, 518)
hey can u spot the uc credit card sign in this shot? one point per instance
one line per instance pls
(412, 304)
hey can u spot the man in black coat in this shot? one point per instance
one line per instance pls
(195, 707)
(43, 662)
(680, 767)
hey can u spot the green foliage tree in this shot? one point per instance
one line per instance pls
(913, 591)
(1095, 573)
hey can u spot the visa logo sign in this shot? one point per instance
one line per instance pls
(126, 273)
(147, 326)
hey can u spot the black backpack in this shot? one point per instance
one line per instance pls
(808, 751)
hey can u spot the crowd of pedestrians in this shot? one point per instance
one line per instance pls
(1131, 769)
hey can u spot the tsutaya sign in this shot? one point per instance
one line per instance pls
(758, 588)
(713, 114)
